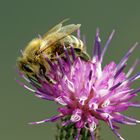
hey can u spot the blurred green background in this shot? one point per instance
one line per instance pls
(20, 21)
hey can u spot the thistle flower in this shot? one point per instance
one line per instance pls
(87, 92)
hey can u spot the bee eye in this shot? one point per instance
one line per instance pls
(27, 68)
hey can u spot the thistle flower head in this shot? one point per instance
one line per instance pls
(87, 92)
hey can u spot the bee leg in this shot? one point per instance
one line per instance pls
(34, 80)
(42, 70)
(83, 55)
(43, 73)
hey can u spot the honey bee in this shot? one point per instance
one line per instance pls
(32, 61)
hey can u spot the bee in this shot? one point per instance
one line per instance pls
(33, 62)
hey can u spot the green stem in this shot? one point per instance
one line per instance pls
(97, 133)
(69, 132)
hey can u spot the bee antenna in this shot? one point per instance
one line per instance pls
(39, 36)
(21, 51)
(78, 34)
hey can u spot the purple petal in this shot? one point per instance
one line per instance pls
(124, 122)
(134, 105)
(92, 135)
(135, 91)
(114, 131)
(50, 63)
(97, 46)
(66, 123)
(44, 96)
(125, 58)
(78, 134)
(130, 118)
(67, 56)
(25, 86)
(60, 64)
(115, 86)
(119, 71)
(73, 53)
(52, 119)
(107, 44)
(132, 68)
(135, 77)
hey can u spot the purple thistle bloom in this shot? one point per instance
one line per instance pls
(87, 92)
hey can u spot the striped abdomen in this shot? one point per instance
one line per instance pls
(73, 41)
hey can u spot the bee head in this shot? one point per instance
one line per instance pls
(25, 66)
(28, 62)
(28, 67)
(32, 49)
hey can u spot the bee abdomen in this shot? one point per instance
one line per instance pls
(73, 41)
(77, 43)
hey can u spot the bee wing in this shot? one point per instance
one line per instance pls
(55, 28)
(68, 29)
(60, 34)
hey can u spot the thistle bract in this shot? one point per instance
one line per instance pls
(87, 92)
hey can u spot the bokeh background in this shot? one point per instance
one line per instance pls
(22, 20)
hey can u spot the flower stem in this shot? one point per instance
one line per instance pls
(69, 132)
(97, 133)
